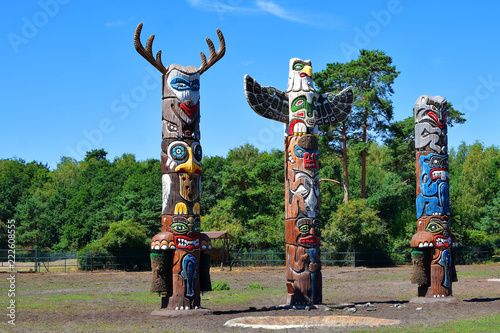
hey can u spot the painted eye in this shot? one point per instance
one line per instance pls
(330, 98)
(434, 227)
(197, 152)
(195, 85)
(304, 228)
(196, 227)
(299, 152)
(298, 67)
(178, 152)
(179, 227)
(299, 103)
(179, 83)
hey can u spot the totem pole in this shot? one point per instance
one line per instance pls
(301, 109)
(181, 268)
(433, 260)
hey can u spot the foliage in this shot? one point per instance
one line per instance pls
(355, 226)
(76, 205)
(255, 285)
(221, 285)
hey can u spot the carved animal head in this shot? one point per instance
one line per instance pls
(181, 87)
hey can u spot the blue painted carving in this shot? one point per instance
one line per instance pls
(445, 261)
(188, 273)
(313, 252)
(434, 186)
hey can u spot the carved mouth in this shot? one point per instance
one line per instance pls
(302, 74)
(188, 110)
(440, 173)
(187, 243)
(441, 241)
(436, 119)
(311, 239)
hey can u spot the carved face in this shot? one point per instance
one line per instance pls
(430, 123)
(306, 187)
(186, 231)
(300, 76)
(303, 152)
(434, 231)
(303, 114)
(303, 232)
(181, 156)
(434, 185)
(181, 102)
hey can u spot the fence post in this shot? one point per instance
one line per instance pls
(354, 258)
(65, 264)
(91, 266)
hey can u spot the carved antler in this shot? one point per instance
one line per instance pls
(147, 52)
(214, 56)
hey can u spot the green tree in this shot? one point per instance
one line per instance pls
(355, 226)
(372, 76)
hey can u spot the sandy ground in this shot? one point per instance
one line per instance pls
(120, 301)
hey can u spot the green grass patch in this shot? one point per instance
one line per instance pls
(487, 324)
(255, 285)
(221, 285)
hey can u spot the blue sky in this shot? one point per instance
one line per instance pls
(72, 80)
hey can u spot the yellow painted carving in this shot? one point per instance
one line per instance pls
(180, 208)
(196, 208)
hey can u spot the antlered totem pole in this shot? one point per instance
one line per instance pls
(433, 260)
(301, 109)
(180, 267)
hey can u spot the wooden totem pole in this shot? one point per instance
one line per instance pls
(180, 267)
(301, 109)
(433, 260)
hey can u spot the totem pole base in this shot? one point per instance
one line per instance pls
(180, 313)
(429, 300)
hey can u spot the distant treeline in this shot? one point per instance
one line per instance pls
(74, 205)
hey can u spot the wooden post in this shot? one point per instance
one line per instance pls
(301, 109)
(433, 264)
(181, 175)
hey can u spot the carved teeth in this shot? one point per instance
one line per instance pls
(157, 247)
(164, 247)
(299, 129)
(431, 244)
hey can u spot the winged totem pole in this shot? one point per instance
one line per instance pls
(301, 109)
(181, 268)
(433, 260)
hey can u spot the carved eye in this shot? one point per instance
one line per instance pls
(179, 227)
(304, 228)
(298, 67)
(195, 85)
(197, 152)
(179, 83)
(434, 227)
(178, 151)
(299, 152)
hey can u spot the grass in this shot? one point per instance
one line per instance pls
(487, 324)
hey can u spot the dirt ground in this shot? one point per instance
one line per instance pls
(120, 301)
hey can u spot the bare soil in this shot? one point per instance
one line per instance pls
(120, 301)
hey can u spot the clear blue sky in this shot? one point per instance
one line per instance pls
(72, 81)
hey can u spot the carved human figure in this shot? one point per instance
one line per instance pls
(434, 269)
(301, 109)
(180, 266)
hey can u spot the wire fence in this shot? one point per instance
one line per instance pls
(38, 262)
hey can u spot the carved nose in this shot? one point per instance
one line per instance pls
(189, 103)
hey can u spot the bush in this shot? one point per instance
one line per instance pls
(221, 285)
(255, 285)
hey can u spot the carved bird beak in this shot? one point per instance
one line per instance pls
(307, 70)
(190, 166)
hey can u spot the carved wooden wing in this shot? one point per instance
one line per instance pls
(268, 102)
(334, 109)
